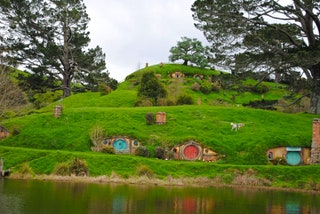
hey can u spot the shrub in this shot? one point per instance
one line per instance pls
(206, 87)
(144, 102)
(260, 89)
(142, 151)
(144, 170)
(96, 136)
(215, 87)
(107, 149)
(62, 169)
(184, 100)
(79, 167)
(195, 87)
(25, 169)
(159, 153)
(104, 89)
(149, 118)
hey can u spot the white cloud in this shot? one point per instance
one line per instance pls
(132, 33)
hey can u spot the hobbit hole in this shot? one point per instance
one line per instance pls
(177, 75)
(3, 133)
(122, 145)
(289, 155)
(191, 151)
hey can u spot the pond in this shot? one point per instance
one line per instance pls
(30, 196)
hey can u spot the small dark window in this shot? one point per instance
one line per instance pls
(270, 156)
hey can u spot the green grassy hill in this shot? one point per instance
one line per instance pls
(42, 141)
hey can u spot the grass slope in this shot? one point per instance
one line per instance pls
(43, 141)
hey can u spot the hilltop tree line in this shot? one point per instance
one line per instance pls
(50, 40)
(266, 36)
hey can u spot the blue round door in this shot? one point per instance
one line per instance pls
(120, 145)
(293, 158)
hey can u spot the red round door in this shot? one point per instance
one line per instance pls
(191, 152)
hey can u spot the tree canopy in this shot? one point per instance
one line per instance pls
(151, 87)
(279, 37)
(50, 39)
(190, 50)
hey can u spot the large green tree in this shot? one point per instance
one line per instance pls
(279, 37)
(49, 37)
(190, 50)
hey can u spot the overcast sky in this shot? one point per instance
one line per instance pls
(133, 33)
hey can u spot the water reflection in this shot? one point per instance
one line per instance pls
(56, 197)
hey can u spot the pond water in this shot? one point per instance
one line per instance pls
(27, 196)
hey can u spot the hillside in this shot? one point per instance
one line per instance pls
(46, 137)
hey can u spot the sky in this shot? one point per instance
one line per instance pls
(133, 33)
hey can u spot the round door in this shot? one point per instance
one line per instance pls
(120, 145)
(191, 152)
(293, 158)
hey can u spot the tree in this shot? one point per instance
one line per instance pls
(190, 50)
(151, 87)
(49, 37)
(264, 35)
(11, 96)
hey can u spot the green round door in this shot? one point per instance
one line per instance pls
(120, 145)
(293, 158)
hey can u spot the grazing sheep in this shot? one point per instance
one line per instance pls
(236, 126)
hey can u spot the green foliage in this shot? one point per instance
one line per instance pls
(159, 153)
(260, 89)
(53, 43)
(151, 87)
(25, 169)
(184, 100)
(306, 177)
(150, 118)
(96, 136)
(144, 170)
(190, 50)
(267, 43)
(107, 149)
(79, 167)
(142, 151)
(206, 87)
(62, 169)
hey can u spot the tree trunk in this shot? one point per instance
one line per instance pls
(185, 62)
(66, 87)
(315, 97)
(315, 90)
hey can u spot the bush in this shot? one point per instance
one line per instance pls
(96, 136)
(195, 87)
(104, 89)
(260, 89)
(159, 153)
(206, 87)
(216, 87)
(149, 118)
(144, 170)
(142, 151)
(107, 149)
(26, 169)
(144, 102)
(184, 100)
(62, 169)
(79, 167)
